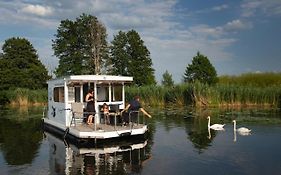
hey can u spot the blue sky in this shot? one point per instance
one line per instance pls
(237, 36)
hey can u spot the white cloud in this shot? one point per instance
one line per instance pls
(267, 7)
(120, 22)
(224, 42)
(204, 30)
(237, 25)
(220, 8)
(18, 13)
(37, 10)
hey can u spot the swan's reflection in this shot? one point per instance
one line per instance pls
(234, 135)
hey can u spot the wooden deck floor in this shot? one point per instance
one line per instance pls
(103, 127)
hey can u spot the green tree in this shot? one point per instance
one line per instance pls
(119, 58)
(20, 66)
(201, 70)
(167, 79)
(80, 46)
(129, 56)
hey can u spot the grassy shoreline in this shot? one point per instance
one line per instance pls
(202, 95)
(24, 97)
(197, 95)
(181, 95)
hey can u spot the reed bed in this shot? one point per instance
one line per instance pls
(24, 97)
(231, 91)
(253, 79)
(199, 94)
(150, 95)
(236, 95)
(159, 96)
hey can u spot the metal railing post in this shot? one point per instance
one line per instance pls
(138, 118)
(95, 118)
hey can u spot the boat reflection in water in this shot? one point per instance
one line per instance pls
(122, 158)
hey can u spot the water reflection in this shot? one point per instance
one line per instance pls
(19, 138)
(234, 136)
(194, 122)
(66, 158)
(178, 139)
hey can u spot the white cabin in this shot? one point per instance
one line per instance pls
(66, 106)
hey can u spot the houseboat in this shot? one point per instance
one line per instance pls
(66, 111)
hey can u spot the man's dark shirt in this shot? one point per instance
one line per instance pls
(134, 105)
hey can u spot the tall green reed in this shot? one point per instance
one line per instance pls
(253, 79)
(199, 94)
(24, 97)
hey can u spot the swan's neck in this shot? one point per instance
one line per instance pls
(234, 125)
(209, 122)
(209, 132)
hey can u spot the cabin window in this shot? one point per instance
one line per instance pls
(74, 94)
(59, 94)
(71, 94)
(85, 90)
(77, 94)
(116, 92)
(102, 92)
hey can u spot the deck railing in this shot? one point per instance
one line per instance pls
(134, 119)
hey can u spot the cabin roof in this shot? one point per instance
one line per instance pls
(93, 78)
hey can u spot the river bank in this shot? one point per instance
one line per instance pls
(196, 95)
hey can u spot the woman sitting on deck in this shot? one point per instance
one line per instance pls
(105, 111)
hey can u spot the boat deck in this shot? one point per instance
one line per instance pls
(100, 131)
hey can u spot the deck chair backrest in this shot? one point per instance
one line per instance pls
(77, 109)
(114, 108)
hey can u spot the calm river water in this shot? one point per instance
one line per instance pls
(178, 142)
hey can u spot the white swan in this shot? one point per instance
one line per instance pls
(242, 130)
(215, 126)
